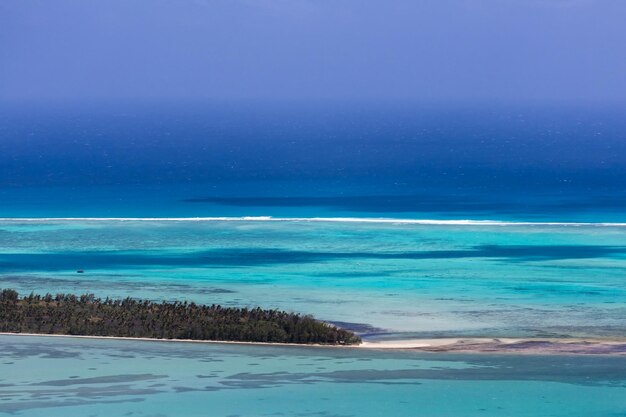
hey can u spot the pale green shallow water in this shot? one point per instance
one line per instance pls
(71, 377)
(383, 279)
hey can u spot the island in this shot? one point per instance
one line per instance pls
(86, 315)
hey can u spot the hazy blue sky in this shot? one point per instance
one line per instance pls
(423, 50)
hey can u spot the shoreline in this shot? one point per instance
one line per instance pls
(150, 339)
(529, 346)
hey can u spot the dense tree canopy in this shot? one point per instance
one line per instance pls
(86, 315)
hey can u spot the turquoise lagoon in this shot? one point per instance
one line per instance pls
(53, 377)
(384, 279)
(389, 280)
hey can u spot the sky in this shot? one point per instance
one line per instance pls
(420, 50)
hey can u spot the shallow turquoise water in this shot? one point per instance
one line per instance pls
(386, 280)
(78, 377)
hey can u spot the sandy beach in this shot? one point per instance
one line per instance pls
(462, 345)
(506, 345)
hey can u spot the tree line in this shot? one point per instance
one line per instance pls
(87, 315)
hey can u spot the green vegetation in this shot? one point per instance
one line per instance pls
(86, 315)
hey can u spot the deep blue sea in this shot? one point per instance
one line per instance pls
(395, 220)
(301, 160)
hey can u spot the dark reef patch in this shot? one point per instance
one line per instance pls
(111, 379)
(416, 203)
(244, 257)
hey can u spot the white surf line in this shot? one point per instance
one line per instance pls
(427, 222)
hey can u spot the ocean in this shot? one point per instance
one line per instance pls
(314, 160)
(396, 221)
